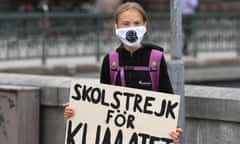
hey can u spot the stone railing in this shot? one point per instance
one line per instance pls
(31, 104)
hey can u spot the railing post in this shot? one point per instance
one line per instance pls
(43, 58)
(238, 38)
(45, 28)
(176, 63)
(98, 37)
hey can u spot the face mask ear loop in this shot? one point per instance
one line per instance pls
(115, 28)
(145, 24)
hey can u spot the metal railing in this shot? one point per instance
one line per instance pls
(64, 34)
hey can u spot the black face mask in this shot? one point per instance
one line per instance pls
(131, 36)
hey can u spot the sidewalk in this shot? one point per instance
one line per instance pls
(91, 60)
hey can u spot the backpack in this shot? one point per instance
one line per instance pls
(153, 68)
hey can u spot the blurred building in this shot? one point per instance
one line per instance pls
(204, 5)
(110, 5)
(219, 6)
(106, 5)
(33, 5)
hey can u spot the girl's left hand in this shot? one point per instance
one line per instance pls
(175, 135)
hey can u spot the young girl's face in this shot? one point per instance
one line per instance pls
(130, 18)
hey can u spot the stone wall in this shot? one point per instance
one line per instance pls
(19, 114)
(212, 114)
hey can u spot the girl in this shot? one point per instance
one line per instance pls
(132, 54)
(130, 27)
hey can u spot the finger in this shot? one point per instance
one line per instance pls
(68, 115)
(173, 135)
(174, 138)
(175, 141)
(69, 110)
(65, 105)
(179, 130)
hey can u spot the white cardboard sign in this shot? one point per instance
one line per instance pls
(106, 114)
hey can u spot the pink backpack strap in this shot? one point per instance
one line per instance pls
(154, 64)
(153, 68)
(113, 66)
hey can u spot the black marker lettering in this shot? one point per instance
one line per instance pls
(128, 96)
(71, 134)
(148, 104)
(119, 138)
(103, 99)
(98, 134)
(170, 108)
(115, 97)
(134, 139)
(96, 95)
(86, 93)
(77, 88)
(107, 137)
(136, 106)
(162, 110)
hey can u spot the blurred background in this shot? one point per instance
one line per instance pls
(68, 33)
(42, 39)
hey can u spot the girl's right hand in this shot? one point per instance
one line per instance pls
(68, 111)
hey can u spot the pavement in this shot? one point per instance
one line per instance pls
(90, 60)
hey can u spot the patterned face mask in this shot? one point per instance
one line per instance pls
(131, 36)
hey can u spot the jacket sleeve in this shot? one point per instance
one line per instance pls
(164, 81)
(105, 74)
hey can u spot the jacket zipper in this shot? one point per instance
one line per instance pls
(130, 72)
